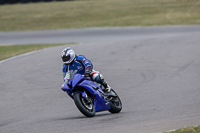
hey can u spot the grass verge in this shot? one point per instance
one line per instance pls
(8, 51)
(195, 129)
(98, 13)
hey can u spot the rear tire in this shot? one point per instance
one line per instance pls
(86, 107)
(115, 104)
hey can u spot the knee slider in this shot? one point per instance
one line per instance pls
(101, 77)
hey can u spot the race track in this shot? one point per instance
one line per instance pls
(155, 71)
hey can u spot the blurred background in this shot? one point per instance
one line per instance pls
(26, 1)
(67, 14)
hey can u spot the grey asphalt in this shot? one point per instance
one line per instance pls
(155, 71)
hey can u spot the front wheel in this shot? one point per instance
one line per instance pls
(85, 105)
(115, 103)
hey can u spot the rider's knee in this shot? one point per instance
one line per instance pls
(99, 78)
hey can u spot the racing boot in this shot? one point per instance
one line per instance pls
(107, 88)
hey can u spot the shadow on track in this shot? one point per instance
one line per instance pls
(81, 117)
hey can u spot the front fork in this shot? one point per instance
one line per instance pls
(84, 95)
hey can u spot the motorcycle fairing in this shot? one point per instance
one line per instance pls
(94, 89)
(99, 102)
(65, 87)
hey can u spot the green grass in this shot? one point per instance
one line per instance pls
(195, 129)
(98, 13)
(13, 50)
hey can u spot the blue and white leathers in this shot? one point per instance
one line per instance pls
(80, 63)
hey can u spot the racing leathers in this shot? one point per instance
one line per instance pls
(84, 67)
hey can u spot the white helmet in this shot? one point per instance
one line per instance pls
(67, 55)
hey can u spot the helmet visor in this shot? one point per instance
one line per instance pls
(66, 58)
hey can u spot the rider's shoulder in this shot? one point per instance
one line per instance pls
(80, 57)
(65, 65)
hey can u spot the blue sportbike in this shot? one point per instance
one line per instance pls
(89, 96)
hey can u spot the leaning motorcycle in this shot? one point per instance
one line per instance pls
(89, 96)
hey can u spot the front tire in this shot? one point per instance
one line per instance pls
(85, 106)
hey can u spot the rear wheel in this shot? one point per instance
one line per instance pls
(115, 103)
(85, 105)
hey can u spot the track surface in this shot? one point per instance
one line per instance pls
(155, 71)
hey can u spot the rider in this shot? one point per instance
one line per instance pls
(83, 66)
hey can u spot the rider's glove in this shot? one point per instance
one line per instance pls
(67, 77)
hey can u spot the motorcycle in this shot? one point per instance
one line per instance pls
(89, 96)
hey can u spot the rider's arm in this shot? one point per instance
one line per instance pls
(88, 65)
